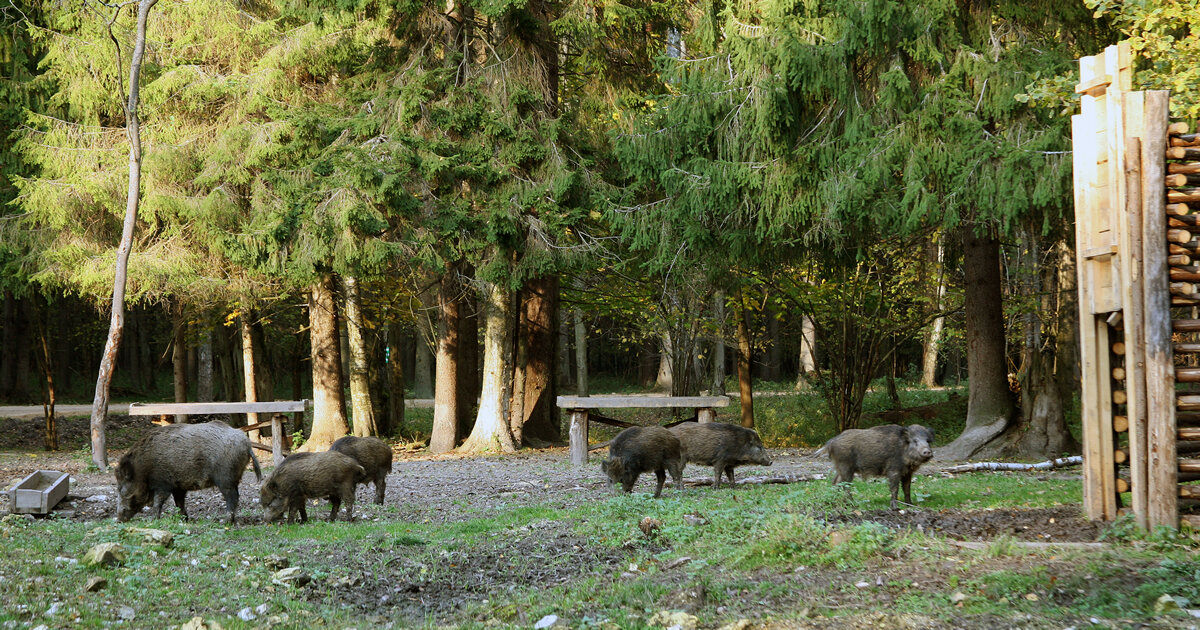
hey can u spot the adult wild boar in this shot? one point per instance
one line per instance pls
(722, 446)
(890, 451)
(641, 449)
(373, 454)
(170, 460)
(305, 476)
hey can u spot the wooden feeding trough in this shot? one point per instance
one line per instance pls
(39, 492)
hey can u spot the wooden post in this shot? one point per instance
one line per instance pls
(706, 414)
(1161, 466)
(578, 436)
(277, 438)
(1132, 296)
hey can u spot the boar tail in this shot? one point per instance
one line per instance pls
(821, 451)
(257, 470)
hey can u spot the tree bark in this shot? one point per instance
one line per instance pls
(468, 355)
(933, 341)
(990, 404)
(491, 432)
(774, 358)
(329, 405)
(808, 349)
(581, 355)
(445, 399)
(745, 385)
(665, 380)
(204, 367)
(363, 411)
(8, 337)
(249, 368)
(539, 409)
(117, 322)
(179, 363)
(395, 380)
(426, 342)
(46, 360)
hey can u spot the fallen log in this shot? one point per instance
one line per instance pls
(1046, 465)
(967, 544)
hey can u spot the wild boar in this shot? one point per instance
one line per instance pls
(173, 459)
(305, 476)
(641, 449)
(722, 446)
(890, 451)
(373, 454)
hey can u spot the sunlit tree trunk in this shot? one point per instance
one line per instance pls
(363, 411)
(117, 322)
(808, 349)
(45, 359)
(745, 384)
(249, 367)
(665, 381)
(491, 432)
(539, 418)
(933, 341)
(718, 356)
(445, 397)
(329, 405)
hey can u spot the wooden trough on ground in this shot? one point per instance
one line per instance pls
(39, 492)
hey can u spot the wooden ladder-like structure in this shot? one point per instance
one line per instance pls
(1137, 288)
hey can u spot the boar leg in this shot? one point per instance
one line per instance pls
(349, 501)
(677, 474)
(906, 481)
(180, 496)
(231, 503)
(335, 503)
(894, 487)
(160, 497)
(729, 473)
(662, 479)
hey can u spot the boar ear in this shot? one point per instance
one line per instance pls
(125, 468)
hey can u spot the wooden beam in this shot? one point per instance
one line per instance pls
(1185, 325)
(578, 436)
(1182, 153)
(154, 409)
(1187, 374)
(1184, 168)
(641, 402)
(1189, 465)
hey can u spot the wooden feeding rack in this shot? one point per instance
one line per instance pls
(1135, 244)
(38, 492)
(278, 408)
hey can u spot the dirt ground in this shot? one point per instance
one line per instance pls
(387, 582)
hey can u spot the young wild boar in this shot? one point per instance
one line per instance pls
(890, 451)
(305, 476)
(722, 446)
(170, 460)
(373, 454)
(641, 449)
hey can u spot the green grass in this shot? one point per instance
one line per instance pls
(760, 552)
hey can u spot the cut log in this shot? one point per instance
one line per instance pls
(1189, 248)
(1187, 402)
(1119, 348)
(1187, 374)
(1178, 209)
(1188, 433)
(1189, 492)
(1119, 397)
(1183, 153)
(1179, 236)
(1179, 275)
(1179, 129)
(1120, 456)
(1181, 220)
(1048, 546)
(1179, 260)
(1122, 485)
(1183, 301)
(1189, 465)
(1186, 348)
(1191, 521)
(1120, 424)
(1186, 169)
(1184, 195)
(1183, 289)
(1118, 374)
(993, 466)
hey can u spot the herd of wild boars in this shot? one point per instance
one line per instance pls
(173, 459)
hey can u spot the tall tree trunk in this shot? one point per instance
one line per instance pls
(745, 385)
(395, 378)
(249, 368)
(46, 361)
(363, 410)
(990, 405)
(808, 350)
(665, 381)
(520, 356)
(298, 375)
(445, 399)
(117, 322)
(129, 358)
(425, 342)
(229, 385)
(329, 405)
(204, 366)
(718, 358)
(581, 355)
(179, 363)
(145, 350)
(933, 340)
(564, 349)
(540, 411)
(774, 348)
(491, 431)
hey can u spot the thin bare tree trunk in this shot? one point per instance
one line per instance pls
(249, 367)
(179, 364)
(8, 319)
(117, 322)
(204, 367)
(665, 380)
(48, 392)
(581, 360)
(808, 349)
(718, 358)
(329, 405)
(491, 431)
(933, 342)
(445, 398)
(363, 411)
(745, 384)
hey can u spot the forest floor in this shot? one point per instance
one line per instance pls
(505, 540)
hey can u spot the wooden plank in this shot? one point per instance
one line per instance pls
(1188, 466)
(1192, 521)
(706, 414)
(577, 435)
(641, 402)
(1161, 471)
(1184, 325)
(1188, 433)
(1189, 492)
(154, 409)
(1131, 297)
(277, 438)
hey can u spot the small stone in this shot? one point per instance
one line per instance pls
(246, 614)
(840, 537)
(1166, 603)
(156, 536)
(106, 554)
(677, 562)
(195, 623)
(669, 619)
(126, 613)
(862, 584)
(958, 597)
(292, 575)
(276, 562)
(97, 498)
(695, 520)
(94, 584)
(54, 608)
(262, 609)
(550, 621)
